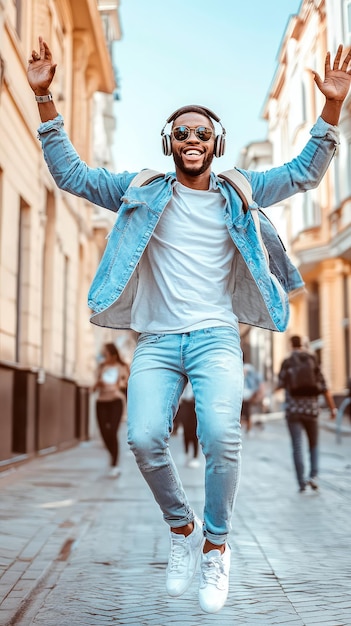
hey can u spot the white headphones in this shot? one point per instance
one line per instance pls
(219, 145)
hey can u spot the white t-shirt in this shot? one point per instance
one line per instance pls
(185, 270)
(109, 375)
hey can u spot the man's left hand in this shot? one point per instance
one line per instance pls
(336, 83)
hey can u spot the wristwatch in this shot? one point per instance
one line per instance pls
(42, 99)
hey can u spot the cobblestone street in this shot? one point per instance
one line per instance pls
(79, 548)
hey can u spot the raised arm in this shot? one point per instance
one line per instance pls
(69, 171)
(335, 86)
(40, 72)
(306, 171)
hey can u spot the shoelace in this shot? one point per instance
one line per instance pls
(176, 560)
(212, 570)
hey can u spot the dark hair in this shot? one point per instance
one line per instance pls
(112, 350)
(193, 108)
(296, 341)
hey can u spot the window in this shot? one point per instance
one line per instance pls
(65, 285)
(336, 166)
(346, 324)
(310, 211)
(347, 21)
(303, 103)
(348, 167)
(1, 208)
(48, 287)
(18, 4)
(313, 311)
(22, 300)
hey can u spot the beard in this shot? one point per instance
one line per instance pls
(192, 171)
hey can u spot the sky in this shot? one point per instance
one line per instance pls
(221, 54)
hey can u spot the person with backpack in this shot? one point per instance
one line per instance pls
(182, 267)
(301, 377)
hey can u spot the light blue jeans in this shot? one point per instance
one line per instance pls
(212, 360)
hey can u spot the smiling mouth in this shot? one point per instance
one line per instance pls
(192, 152)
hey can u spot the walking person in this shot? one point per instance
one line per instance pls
(186, 416)
(252, 394)
(182, 267)
(111, 385)
(301, 377)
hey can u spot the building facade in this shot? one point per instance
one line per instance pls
(316, 226)
(48, 244)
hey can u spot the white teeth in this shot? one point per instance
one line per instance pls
(193, 152)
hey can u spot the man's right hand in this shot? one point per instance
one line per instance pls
(41, 69)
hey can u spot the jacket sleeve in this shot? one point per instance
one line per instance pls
(302, 173)
(71, 174)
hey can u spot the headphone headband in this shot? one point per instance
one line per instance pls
(194, 108)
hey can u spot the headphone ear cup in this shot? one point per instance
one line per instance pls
(166, 145)
(219, 145)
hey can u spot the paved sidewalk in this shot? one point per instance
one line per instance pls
(81, 549)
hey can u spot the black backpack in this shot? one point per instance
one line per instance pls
(303, 375)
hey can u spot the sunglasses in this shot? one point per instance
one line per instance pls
(182, 133)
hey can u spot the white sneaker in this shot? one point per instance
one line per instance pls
(214, 579)
(114, 472)
(193, 463)
(183, 559)
(313, 484)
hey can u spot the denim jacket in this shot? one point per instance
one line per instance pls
(260, 290)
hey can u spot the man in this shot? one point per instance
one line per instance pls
(182, 254)
(302, 407)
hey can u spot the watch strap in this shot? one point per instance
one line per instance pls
(47, 98)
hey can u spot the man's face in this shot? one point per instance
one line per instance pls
(192, 156)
